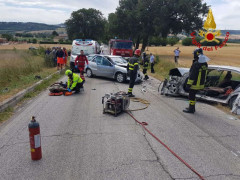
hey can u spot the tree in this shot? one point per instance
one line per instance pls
(175, 16)
(34, 41)
(125, 23)
(142, 19)
(54, 33)
(86, 23)
(7, 36)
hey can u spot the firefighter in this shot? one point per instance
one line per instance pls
(195, 55)
(74, 82)
(80, 64)
(132, 70)
(145, 65)
(196, 80)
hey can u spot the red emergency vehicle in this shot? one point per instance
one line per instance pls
(121, 47)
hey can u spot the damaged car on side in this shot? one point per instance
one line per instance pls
(222, 84)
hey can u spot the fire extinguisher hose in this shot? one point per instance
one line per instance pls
(171, 151)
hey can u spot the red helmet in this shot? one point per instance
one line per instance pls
(137, 52)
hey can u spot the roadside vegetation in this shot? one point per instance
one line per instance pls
(20, 69)
(161, 67)
(46, 83)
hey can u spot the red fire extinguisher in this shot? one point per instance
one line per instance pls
(35, 139)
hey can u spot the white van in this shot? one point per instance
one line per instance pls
(87, 45)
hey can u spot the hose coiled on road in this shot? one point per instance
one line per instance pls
(143, 101)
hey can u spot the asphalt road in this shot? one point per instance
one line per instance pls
(79, 142)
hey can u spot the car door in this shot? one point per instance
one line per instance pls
(105, 67)
(93, 65)
(212, 91)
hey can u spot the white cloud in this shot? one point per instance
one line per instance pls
(226, 13)
(14, 14)
(50, 11)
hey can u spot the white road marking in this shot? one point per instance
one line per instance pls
(234, 153)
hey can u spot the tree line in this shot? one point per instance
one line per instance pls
(138, 20)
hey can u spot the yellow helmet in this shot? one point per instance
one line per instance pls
(68, 72)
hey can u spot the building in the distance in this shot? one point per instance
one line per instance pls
(3, 40)
(60, 37)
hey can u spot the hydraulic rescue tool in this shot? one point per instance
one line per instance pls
(115, 103)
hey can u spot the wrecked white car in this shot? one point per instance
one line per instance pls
(222, 85)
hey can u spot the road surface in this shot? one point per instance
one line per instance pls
(79, 142)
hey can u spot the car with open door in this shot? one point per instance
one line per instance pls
(222, 84)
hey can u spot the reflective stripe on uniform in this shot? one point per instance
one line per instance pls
(199, 77)
(190, 81)
(192, 102)
(130, 89)
(195, 87)
(131, 66)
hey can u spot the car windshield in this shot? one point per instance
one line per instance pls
(122, 45)
(118, 60)
(90, 58)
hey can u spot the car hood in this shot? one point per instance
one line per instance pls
(121, 64)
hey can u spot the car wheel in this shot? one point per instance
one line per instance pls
(231, 101)
(120, 77)
(89, 73)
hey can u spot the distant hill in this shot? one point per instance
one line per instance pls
(29, 26)
(232, 32)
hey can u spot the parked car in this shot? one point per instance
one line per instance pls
(222, 84)
(109, 66)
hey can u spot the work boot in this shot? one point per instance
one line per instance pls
(130, 95)
(77, 91)
(190, 109)
(82, 89)
(146, 77)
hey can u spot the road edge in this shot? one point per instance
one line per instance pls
(12, 101)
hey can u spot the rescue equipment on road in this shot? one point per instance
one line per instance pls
(56, 94)
(115, 103)
(57, 89)
(68, 93)
(35, 139)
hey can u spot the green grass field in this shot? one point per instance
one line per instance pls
(18, 69)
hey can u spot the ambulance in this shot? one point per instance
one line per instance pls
(87, 45)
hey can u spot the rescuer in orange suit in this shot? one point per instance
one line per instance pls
(65, 57)
(80, 64)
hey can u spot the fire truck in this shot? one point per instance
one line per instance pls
(121, 47)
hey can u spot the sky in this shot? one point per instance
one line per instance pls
(226, 12)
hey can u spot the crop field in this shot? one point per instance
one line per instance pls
(26, 46)
(228, 55)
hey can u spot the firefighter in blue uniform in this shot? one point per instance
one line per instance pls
(133, 69)
(196, 80)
